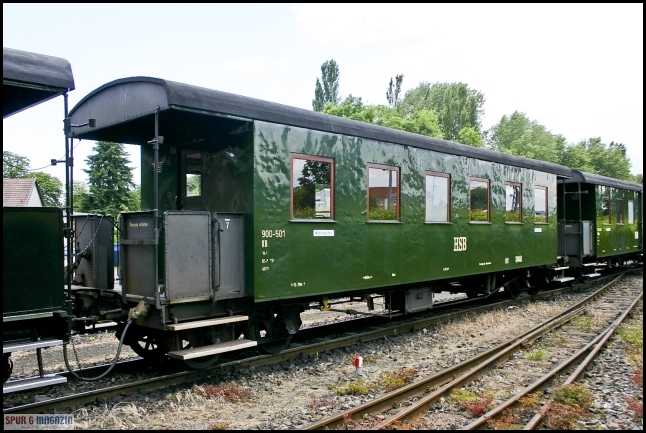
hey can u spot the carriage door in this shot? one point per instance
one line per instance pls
(228, 257)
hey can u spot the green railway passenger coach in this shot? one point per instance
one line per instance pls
(601, 220)
(256, 206)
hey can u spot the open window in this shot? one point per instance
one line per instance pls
(513, 202)
(605, 210)
(540, 204)
(312, 188)
(438, 197)
(383, 193)
(619, 203)
(479, 200)
(193, 172)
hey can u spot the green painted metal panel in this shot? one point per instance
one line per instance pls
(289, 260)
(32, 260)
(615, 238)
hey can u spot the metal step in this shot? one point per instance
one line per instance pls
(205, 323)
(562, 279)
(213, 349)
(17, 345)
(594, 264)
(591, 275)
(34, 382)
(561, 268)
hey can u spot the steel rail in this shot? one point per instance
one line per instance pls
(594, 352)
(447, 379)
(310, 349)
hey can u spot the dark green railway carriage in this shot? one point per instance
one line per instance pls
(601, 220)
(34, 314)
(261, 205)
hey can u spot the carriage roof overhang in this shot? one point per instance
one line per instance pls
(596, 179)
(124, 112)
(29, 79)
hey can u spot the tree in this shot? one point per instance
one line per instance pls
(109, 179)
(327, 89)
(518, 135)
(577, 157)
(422, 121)
(50, 186)
(392, 94)
(135, 199)
(469, 135)
(608, 160)
(79, 196)
(456, 104)
(14, 166)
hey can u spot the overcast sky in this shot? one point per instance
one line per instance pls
(576, 69)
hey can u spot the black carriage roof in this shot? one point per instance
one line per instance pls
(124, 110)
(29, 79)
(596, 179)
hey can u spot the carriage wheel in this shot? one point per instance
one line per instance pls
(274, 332)
(205, 337)
(512, 290)
(149, 348)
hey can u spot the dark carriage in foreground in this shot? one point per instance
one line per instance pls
(34, 310)
(257, 211)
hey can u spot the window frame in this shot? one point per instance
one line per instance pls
(448, 196)
(398, 208)
(186, 173)
(606, 219)
(520, 204)
(547, 206)
(619, 203)
(305, 157)
(488, 182)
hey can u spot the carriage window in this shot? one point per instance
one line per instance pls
(193, 168)
(438, 197)
(383, 193)
(479, 200)
(605, 208)
(312, 187)
(513, 202)
(620, 210)
(631, 212)
(540, 204)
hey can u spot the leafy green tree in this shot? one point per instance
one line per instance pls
(469, 135)
(576, 156)
(392, 94)
(50, 186)
(79, 196)
(456, 104)
(327, 89)
(608, 160)
(14, 166)
(421, 121)
(135, 199)
(109, 179)
(193, 185)
(639, 178)
(518, 135)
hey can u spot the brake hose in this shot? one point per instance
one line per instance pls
(114, 362)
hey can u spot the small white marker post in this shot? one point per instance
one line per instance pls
(358, 363)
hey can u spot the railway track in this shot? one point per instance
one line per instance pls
(410, 404)
(308, 342)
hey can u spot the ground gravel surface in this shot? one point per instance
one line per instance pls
(298, 392)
